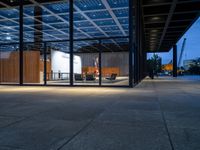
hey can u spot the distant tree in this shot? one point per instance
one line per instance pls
(150, 66)
(156, 61)
(194, 69)
(154, 65)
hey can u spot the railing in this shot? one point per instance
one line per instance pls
(57, 76)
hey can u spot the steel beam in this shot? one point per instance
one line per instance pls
(171, 11)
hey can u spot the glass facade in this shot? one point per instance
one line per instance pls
(115, 62)
(9, 47)
(84, 43)
(86, 62)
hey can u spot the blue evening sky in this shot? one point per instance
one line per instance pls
(192, 45)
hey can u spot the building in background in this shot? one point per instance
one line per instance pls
(191, 62)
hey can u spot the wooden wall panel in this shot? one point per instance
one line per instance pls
(31, 67)
(118, 60)
(42, 66)
(106, 71)
(9, 62)
(48, 75)
(10, 67)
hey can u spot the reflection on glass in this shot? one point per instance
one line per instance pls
(9, 64)
(115, 62)
(58, 63)
(9, 52)
(33, 64)
(86, 63)
(49, 21)
(46, 22)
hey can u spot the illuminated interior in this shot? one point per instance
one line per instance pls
(100, 29)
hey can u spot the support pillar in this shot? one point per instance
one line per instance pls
(71, 40)
(131, 43)
(45, 63)
(100, 66)
(21, 42)
(137, 41)
(175, 61)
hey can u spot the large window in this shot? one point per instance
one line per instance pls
(115, 62)
(58, 63)
(100, 36)
(9, 52)
(86, 62)
(46, 22)
(102, 20)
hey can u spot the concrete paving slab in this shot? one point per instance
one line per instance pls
(183, 119)
(159, 114)
(38, 134)
(117, 137)
(71, 113)
(137, 105)
(132, 117)
(185, 138)
(6, 121)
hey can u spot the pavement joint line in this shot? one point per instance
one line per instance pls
(76, 134)
(11, 147)
(84, 127)
(23, 119)
(163, 117)
(15, 122)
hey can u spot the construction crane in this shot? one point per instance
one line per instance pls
(180, 70)
(169, 67)
(181, 54)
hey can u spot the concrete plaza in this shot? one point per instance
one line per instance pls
(159, 114)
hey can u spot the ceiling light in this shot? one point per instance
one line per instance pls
(8, 38)
(155, 18)
(154, 30)
(8, 27)
(154, 35)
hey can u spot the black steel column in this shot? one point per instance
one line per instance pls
(100, 73)
(131, 43)
(137, 44)
(175, 61)
(71, 40)
(21, 42)
(45, 63)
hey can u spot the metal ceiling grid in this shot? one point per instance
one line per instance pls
(99, 18)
